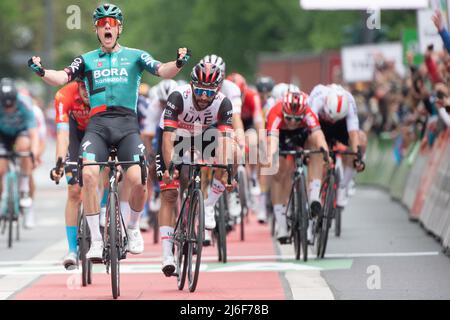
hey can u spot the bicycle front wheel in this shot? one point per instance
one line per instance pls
(113, 242)
(304, 216)
(181, 245)
(221, 231)
(196, 229)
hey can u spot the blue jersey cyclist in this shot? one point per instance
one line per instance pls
(112, 75)
(18, 132)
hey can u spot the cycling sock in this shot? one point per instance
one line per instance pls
(314, 190)
(104, 198)
(133, 222)
(71, 232)
(279, 211)
(24, 183)
(349, 174)
(214, 193)
(94, 226)
(166, 240)
(125, 210)
(262, 201)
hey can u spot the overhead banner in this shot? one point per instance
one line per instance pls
(428, 34)
(358, 62)
(362, 4)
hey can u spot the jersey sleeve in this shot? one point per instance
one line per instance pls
(62, 108)
(76, 68)
(352, 116)
(312, 121)
(147, 62)
(257, 109)
(174, 107)
(316, 99)
(274, 119)
(225, 116)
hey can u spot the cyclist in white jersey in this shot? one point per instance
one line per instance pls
(191, 112)
(337, 113)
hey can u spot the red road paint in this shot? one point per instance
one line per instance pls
(211, 285)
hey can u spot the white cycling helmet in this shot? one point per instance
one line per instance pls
(279, 90)
(165, 88)
(336, 104)
(215, 59)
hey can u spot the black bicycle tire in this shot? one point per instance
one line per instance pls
(326, 220)
(304, 214)
(222, 232)
(83, 245)
(242, 188)
(11, 212)
(113, 254)
(196, 202)
(181, 245)
(296, 220)
(337, 221)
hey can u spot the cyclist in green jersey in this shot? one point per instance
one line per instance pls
(112, 75)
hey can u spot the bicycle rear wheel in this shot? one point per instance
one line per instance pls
(113, 243)
(243, 198)
(11, 208)
(337, 221)
(196, 229)
(326, 218)
(221, 232)
(84, 245)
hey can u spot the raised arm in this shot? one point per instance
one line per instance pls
(51, 77)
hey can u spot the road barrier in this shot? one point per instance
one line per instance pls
(421, 182)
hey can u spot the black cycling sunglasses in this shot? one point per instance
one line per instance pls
(292, 118)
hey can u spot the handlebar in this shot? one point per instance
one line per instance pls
(228, 168)
(111, 163)
(358, 155)
(305, 153)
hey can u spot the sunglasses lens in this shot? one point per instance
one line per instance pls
(201, 91)
(111, 21)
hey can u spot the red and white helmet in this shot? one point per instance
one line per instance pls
(294, 103)
(336, 104)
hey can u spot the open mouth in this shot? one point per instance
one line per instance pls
(108, 35)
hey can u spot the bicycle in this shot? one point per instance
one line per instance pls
(244, 191)
(328, 195)
(115, 238)
(83, 233)
(11, 210)
(221, 230)
(297, 209)
(190, 225)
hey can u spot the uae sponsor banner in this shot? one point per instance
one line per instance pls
(358, 62)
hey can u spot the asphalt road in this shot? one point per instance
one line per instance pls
(380, 255)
